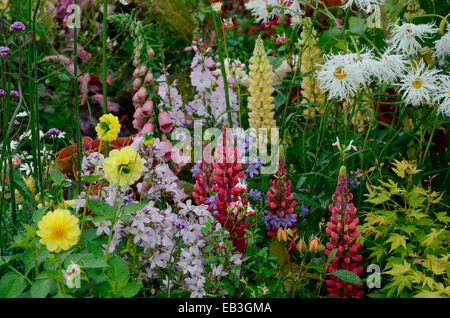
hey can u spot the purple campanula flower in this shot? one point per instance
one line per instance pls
(273, 220)
(2, 93)
(17, 26)
(180, 224)
(195, 169)
(255, 194)
(16, 123)
(14, 93)
(4, 51)
(305, 209)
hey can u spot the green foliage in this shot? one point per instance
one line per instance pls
(407, 235)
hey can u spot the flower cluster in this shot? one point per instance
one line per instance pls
(280, 202)
(227, 173)
(344, 238)
(311, 55)
(260, 102)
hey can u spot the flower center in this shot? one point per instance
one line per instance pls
(339, 72)
(59, 232)
(417, 83)
(408, 32)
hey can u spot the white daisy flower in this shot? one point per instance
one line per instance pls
(46, 152)
(27, 168)
(26, 134)
(13, 145)
(364, 5)
(442, 48)
(419, 84)
(405, 37)
(388, 67)
(62, 135)
(341, 75)
(443, 96)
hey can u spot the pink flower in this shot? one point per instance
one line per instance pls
(147, 108)
(165, 122)
(140, 95)
(137, 83)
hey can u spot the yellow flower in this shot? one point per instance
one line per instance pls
(108, 127)
(123, 167)
(260, 102)
(59, 230)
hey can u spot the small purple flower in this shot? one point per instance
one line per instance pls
(17, 26)
(252, 170)
(212, 201)
(53, 132)
(16, 123)
(4, 51)
(189, 109)
(156, 197)
(255, 194)
(2, 93)
(195, 169)
(305, 209)
(273, 220)
(14, 93)
(180, 224)
(127, 199)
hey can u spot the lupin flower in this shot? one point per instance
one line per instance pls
(344, 238)
(226, 175)
(260, 102)
(311, 55)
(280, 202)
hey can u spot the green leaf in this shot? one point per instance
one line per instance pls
(41, 288)
(93, 261)
(279, 251)
(57, 177)
(38, 214)
(101, 208)
(118, 269)
(130, 290)
(399, 269)
(90, 178)
(12, 285)
(331, 256)
(396, 240)
(347, 276)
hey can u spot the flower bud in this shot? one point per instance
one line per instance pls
(314, 245)
(281, 235)
(165, 122)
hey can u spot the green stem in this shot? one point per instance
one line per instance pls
(222, 67)
(76, 102)
(104, 77)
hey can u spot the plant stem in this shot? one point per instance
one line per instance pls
(222, 67)
(76, 102)
(104, 77)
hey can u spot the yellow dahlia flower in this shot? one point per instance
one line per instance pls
(311, 55)
(123, 167)
(58, 230)
(108, 127)
(260, 101)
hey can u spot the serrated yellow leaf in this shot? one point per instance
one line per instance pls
(396, 240)
(398, 269)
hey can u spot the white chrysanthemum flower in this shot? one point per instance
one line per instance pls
(265, 10)
(341, 75)
(405, 37)
(260, 10)
(443, 47)
(388, 67)
(364, 5)
(217, 7)
(419, 84)
(22, 114)
(13, 144)
(442, 96)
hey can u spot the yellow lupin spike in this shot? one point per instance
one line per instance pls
(260, 102)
